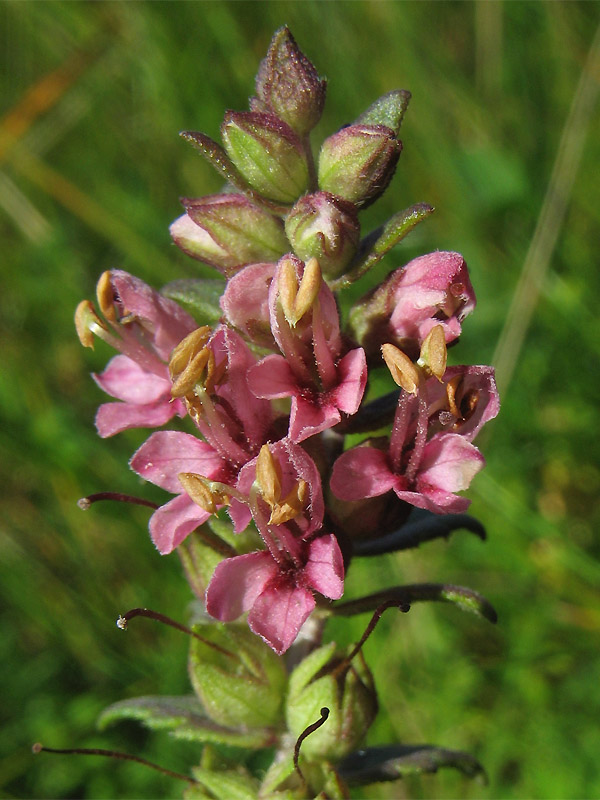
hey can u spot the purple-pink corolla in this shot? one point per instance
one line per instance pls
(209, 373)
(312, 369)
(145, 327)
(434, 289)
(281, 491)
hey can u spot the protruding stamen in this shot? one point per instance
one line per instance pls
(434, 354)
(307, 732)
(268, 476)
(98, 751)
(291, 506)
(87, 322)
(309, 288)
(84, 503)
(206, 494)
(187, 349)
(403, 371)
(105, 296)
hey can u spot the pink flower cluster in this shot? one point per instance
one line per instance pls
(261, 440)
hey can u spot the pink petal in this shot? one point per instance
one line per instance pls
(325, 567)
(435, 500)
(362, 472)
(449, 463)
(237, 582)
(167, 321)
(126, 380)
(352, 376)
(113, 418)
(307, 418)
(245, 302)
(167, 453)
(272, 378)
(171, 523)
(279, 612)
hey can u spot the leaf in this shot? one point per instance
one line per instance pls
(390, 762)
(378, 243)
(464, 598)
(199, 296)
(422, 526)
(184, 718)
(226, 785)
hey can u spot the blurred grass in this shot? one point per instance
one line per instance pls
(91, 167)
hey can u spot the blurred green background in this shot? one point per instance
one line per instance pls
(502, 137)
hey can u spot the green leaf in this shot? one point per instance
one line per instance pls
(464, 598)
(390, 762)
(378, 243)
(199, 296)
(226, 785)
(184, 718)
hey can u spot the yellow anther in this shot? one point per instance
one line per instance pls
(268, 476)
(191, 375)
(292, 506)
(187, 349)
(86, 322)
(309, 288)
(403, 371)
(451, 390)
(434, 354)
(105, 295)
(288, 289)
(206, 494)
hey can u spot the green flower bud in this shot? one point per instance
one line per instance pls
(228, 231)
(324, 227)
(288, 84)
(240, 681)
(268, 154)
(347, 690)
(358, 162)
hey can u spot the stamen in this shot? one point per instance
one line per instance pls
(307, 732)
(123, 621)
(85, 502)
(98, 751)
(403, 371)
(106, 298)
(434, 354)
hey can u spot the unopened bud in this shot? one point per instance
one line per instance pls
(347, 690)
(289, 85)
(228, 231)
(434, 353)
(268, 154)
(403, 371)
(325, 227)
(358, 162)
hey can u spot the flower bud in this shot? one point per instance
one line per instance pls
(228, 231)
(358, 162)
(240, 680)
(388, 110)
(289, 85)
(268, 154)
(430, 290)
(324, 227)
(347, 690)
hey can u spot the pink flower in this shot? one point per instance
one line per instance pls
(145, 327)
(162, 457)
(423, 473)
(465, 400)
(430, 290)
(245, 303)
(321, 381)
(277, 588)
